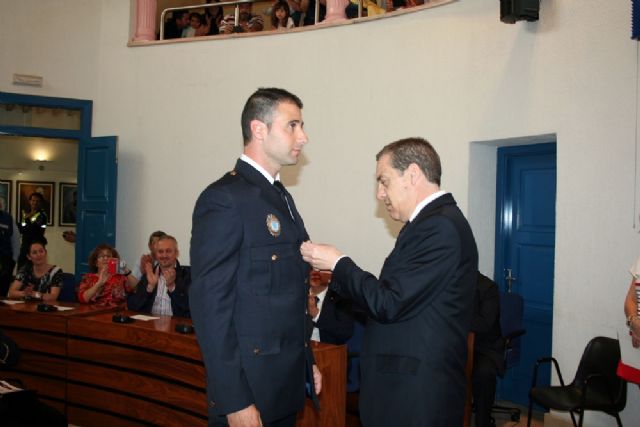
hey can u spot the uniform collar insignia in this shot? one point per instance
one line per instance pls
(273, 225)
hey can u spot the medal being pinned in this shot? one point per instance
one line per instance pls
(273, 225)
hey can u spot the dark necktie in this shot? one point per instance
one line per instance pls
(284, 195)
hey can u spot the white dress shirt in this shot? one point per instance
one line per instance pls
(315, 335)
(162, 303)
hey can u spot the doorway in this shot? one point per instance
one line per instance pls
(65, 119)
(50, 164)
(489, 217)
(525, 254)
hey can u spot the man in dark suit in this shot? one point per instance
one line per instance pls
(415, 342)
(488, 357)
(164, 287)
(248, 292)
(331, 316)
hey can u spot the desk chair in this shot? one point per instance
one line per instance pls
(68, 290)
(511, 314)
(595, 387)
(468, 374)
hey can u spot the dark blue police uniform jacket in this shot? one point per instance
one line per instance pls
(248, 296)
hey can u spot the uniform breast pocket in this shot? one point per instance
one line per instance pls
(275, 269)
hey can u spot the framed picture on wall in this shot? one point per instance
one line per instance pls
(5, 195)
(68, 194)
(26, 188)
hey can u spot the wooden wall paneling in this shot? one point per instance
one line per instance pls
(171, 367)
(147, 387)
(25, 316)
(156, 334)
(45, 387)
(38, 341)
(130, 407)
(42, 364)
(87, 417)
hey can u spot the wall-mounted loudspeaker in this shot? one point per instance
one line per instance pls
(519, 10)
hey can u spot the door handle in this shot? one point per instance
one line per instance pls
(510, 278)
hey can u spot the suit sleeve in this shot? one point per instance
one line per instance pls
(335, 322)
(417, 270)
(216, 237)
(180, 295)
(139, 299)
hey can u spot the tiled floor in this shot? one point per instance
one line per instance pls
(502, 420)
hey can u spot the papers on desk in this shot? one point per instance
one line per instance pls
(5, 387)
(143, 317)
(12, 301)
(61, 308)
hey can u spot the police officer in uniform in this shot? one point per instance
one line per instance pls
(32, 226)
(248, 294)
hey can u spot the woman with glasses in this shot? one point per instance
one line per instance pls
(109, 280)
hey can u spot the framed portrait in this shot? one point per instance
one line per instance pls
(68, 194)
(26, 188)
(5, 195)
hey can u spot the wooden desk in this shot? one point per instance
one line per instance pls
(119, 374)
(332, 362)
(42, 338)
(108, 374)
(124, 374)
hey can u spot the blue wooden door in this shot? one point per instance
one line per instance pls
(97, 185)
(525, 246)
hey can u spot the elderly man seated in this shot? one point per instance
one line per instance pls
(163, 290)
(331, 315)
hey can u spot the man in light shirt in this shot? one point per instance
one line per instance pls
(163, 290)
(331, 315)
(139, 269)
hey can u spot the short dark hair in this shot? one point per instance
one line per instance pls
(37, 195)
(414, 150)
(178, 14)
(155, 235)
(260, 106)
(195, 15)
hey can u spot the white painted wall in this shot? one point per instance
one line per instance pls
(453, 74)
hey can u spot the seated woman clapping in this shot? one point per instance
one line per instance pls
(108, 281)
(37, 279)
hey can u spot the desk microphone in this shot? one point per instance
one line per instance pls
(46, 308)
(121, 318)
(183, 328)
